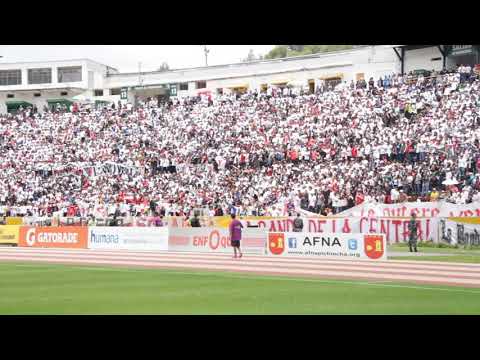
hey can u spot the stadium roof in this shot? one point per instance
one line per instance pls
(57, 61)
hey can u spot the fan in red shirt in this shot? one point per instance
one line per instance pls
(71, 211)
(293, 155)
(359, 198)
(354, 152)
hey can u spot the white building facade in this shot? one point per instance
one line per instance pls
(41, 84)
(38, 83)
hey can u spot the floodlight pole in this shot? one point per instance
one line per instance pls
(206, 51)
(140, 80)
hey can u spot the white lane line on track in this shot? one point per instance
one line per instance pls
(450, 273)
(271, 270)
(257, 277)
(284, 260)
(252, 256)
(432, 270)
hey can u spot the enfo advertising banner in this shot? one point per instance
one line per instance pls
(145, 238)
(331, 245)
(215, 240)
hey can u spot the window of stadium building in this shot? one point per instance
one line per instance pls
(115, 91)
(40, 76)
(183, 86)
(70, 74)
(10, 77)
(201, 84)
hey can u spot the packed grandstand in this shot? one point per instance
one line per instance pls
(387, 140)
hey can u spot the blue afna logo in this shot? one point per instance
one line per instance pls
(292, 242)
(352, 244)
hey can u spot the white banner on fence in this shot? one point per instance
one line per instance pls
(145, 238)
(456, 231)
(422, 209)
(215, 240)
(395, 229)
(344, 246)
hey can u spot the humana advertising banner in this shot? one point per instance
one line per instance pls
(328, 245)
(105, 237)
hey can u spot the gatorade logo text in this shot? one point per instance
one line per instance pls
(62, 237)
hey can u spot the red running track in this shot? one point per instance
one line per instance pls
(426, 272)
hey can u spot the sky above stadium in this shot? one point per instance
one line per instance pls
(126, 57)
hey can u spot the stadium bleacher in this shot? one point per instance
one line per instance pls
(410, 138)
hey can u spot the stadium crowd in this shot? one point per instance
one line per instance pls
(391, 140)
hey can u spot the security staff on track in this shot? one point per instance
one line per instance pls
(412, 233)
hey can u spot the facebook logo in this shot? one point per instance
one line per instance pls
(292, 242)
(352, 244)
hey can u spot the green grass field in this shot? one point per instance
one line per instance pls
(64, 289)
(459, 255)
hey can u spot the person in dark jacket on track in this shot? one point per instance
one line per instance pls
(298, 224)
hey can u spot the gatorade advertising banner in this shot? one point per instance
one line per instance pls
(72, 237)
(328, 245)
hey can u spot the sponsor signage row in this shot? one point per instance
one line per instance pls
(210, 240)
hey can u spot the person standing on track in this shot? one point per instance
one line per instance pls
(412, 233)
(195, 221)
(298, 224)
(236, 235)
